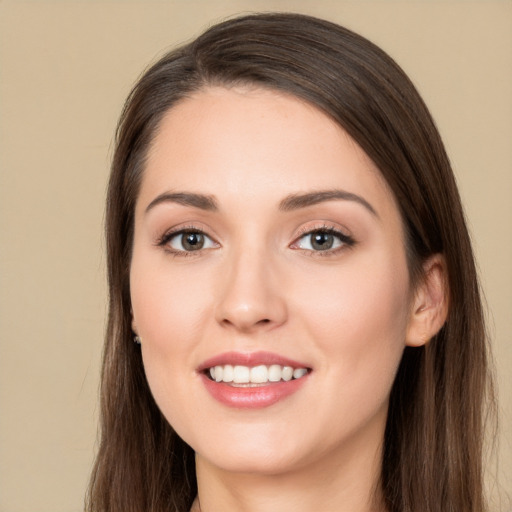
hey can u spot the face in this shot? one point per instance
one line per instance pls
(269, 282)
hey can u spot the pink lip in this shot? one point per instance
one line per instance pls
(250, 359)
(251, 397)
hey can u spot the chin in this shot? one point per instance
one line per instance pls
(262, 462)
(252, 451)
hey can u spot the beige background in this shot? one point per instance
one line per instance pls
(65, 69)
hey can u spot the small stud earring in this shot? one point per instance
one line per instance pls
(137, 339)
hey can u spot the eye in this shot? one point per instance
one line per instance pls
(188, 241)
(327, 239)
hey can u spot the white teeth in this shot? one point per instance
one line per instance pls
(260, 374)
(287, 373)
(228, 373)
(274, 373)
(241, 374)
(299, 372)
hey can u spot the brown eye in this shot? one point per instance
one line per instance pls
(189, 241)
(320, 240)
(192, 241)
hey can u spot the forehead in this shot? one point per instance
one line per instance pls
(248, 142)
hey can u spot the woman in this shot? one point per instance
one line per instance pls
(287, 248)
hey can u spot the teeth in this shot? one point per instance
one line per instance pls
(255, 375)
(259, 374)
(274, 373)
(299, 372)
(241, 374)
(287, 373)
(228, 374)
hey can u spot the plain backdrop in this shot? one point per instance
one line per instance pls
(65, 70)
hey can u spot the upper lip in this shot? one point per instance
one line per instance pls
(249, 359)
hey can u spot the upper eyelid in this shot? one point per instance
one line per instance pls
(345, 237)
(164, 242)
(183, 228)
(206, 231)
(322, 226)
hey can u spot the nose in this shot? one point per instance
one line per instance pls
(251, 295)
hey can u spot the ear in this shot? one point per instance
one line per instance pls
(430, 304)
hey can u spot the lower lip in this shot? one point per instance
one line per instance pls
(252, 398)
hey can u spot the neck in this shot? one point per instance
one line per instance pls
(345, 482)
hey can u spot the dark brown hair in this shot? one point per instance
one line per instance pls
(432, 457)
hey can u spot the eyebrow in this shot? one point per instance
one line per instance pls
(289, 203)
(297, 201)
(200, 201)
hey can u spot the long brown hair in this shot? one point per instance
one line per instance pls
(432, 457)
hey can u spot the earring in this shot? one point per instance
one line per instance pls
(137, 339)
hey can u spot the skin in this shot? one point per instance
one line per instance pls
(258, 285)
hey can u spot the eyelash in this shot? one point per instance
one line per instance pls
(164, 240)
(347, 241)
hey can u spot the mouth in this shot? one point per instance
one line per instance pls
(254, 376)
(254, 380)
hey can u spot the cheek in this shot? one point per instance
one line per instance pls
(359, 320)
(169, 307)
(167, 304)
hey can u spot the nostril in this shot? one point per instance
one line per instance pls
(246, 324)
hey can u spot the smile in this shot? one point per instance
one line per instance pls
(246, 376)
(252, 380)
